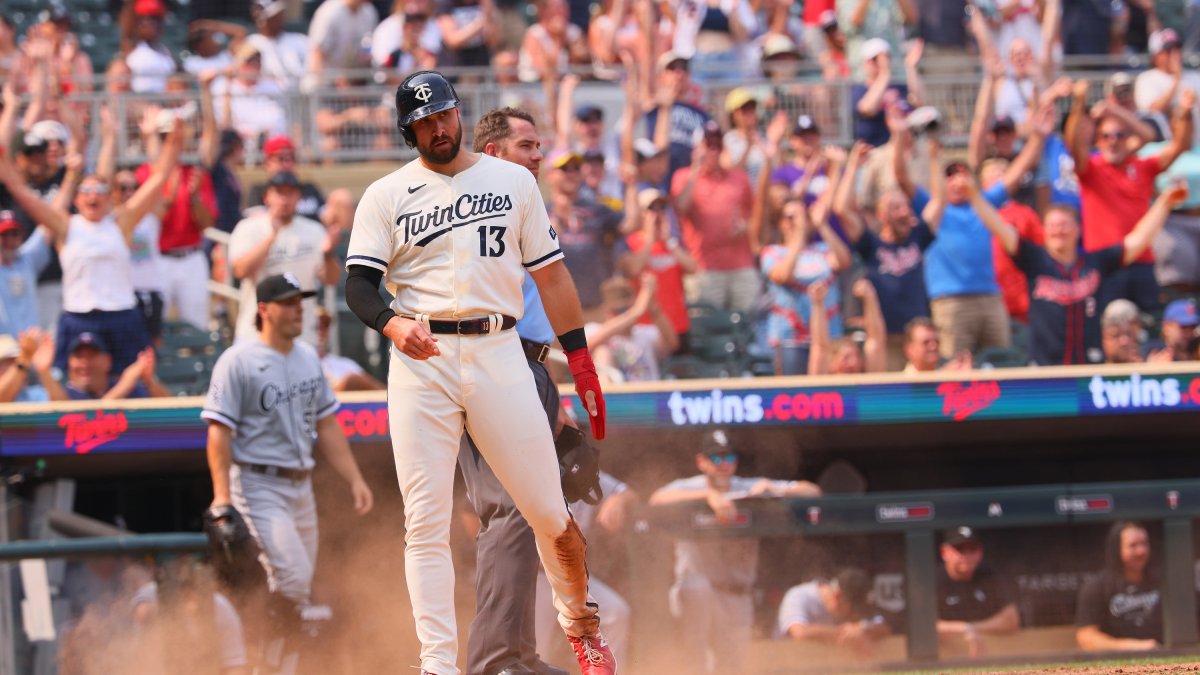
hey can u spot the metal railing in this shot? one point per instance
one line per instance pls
(357, 124)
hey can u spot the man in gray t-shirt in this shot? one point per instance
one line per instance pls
(833, 611)
(268, 405)
(714, 578)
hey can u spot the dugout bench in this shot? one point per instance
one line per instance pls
(918, 516)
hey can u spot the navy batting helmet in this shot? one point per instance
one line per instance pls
(422, 94)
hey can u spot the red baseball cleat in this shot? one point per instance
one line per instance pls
(593, 654)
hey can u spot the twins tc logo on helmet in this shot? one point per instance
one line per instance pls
(423, 92)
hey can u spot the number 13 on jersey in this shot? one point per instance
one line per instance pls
(491, 240)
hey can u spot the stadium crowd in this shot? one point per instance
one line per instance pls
(1068, 232)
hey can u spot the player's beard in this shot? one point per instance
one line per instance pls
(444, 155)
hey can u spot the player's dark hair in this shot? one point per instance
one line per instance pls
(258, 321)
(912, 326)
(494, 126)
(1112, 548)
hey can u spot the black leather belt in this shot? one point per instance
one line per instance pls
(277, 471)
(481, 326)
(535, 351)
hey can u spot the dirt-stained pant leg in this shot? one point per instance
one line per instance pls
(503, 416)
(502, 632)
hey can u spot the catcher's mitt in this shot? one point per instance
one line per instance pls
(578, 466)
(232, 550)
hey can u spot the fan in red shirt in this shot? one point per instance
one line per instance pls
(1116, 186)
(191, 206)
(653, 249)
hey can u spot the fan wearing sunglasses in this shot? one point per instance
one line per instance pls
(94, 248)
(1117, 187)
(715, 577)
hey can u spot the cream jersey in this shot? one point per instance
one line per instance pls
(296, 249)
(454, 246)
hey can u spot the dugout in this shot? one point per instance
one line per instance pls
(142, 465)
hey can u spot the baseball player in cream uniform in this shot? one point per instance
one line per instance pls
(454, 232)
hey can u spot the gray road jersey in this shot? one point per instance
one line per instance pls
(730, 562)
(271, 401)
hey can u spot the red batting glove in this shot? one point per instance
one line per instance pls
(586, 380)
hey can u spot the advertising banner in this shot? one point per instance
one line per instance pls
(737, 403)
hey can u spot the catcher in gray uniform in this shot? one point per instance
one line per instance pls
(268, 405)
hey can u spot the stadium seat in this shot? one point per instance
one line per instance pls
(692, 367)
(186, 376)
(1001, 357)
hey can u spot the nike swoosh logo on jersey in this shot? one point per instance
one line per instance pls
(263, 367)
(411, 190)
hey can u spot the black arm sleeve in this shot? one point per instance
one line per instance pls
(362, 296)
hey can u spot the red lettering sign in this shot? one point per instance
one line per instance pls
(960, 400)
(83, 434)
(364, 422)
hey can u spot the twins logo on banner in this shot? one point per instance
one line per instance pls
(83, 433)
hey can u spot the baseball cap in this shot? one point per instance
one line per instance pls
(805, 124)
(278, 144)
(777, 45)
(669, 58)
(589, 113)
(283, 179)
(738, 97)
(1182, 312)
(1118, 80)
(645, 148)
(958, 536)
(87, 339)
(245, 52)
(1003, 123)
(165, 121)
(28, 143)
(1119, 312)
(265, 9)
(8, 221)
(51, 130)
(715, 442)
(560, 157)
(1162, 40)
(874, 47)
(710, 133)
(9, 348)
(828, 20)
(149, 8)
(649, 196)
(280, 287)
